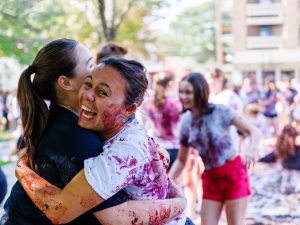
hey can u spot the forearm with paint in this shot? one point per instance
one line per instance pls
(38, 190)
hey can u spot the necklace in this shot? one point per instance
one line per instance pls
(70, 109)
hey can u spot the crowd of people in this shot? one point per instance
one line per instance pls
(105, 140)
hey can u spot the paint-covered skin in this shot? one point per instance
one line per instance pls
(101, 101)
(44, 196)
(210, 135)
(131, 160)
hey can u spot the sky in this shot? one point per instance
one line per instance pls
(169, 13)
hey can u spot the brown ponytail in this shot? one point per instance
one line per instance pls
(53, 60)
(34, 113)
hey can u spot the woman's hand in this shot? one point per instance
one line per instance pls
(248, 159)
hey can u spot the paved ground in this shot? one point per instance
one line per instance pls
(276, 197)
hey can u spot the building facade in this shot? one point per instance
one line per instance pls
(262, 38)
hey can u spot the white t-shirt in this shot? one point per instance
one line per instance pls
(130, 160)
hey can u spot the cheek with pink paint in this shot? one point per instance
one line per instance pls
(112, 117)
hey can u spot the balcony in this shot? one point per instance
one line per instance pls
(270, 42)
(258, 21)
(256, 9)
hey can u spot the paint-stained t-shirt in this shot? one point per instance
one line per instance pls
(162, 123)
(130, 160)
(210, 135)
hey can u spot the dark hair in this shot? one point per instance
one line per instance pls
(216, 73)
(201, 91)
(110, 50)
(53, 60)
(285, 144)
(159, 98)
(135, 75)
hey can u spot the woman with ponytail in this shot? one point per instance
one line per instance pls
(56, 145)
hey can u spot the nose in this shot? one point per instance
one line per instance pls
(182, 96)
(89, 95)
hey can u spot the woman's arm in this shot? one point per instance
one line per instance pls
(179, 163)
(255, 138)
(145, 211)
(60, 206)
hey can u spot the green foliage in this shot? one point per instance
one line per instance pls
(26, 25)
(193, 33)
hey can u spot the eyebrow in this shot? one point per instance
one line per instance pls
(105, 84)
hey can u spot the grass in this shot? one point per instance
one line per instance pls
(2, 163)
(5, 136)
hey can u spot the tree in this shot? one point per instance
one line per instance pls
(193, 34)
(125, 21)
(26, 25)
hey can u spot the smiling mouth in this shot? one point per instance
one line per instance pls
(87, 112)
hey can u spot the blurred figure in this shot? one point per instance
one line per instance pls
(288, 91)
(161, 115)
(288, 143)
(191, 176)
(255, 117)
(110, 50)
(221, 94)
(250, 92)
(268, 102)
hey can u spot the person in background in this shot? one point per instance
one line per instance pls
(221, 94)
(288, 143)
(268, 102)
(266, 152)
(110, 50)
(205, 127)
(161, 116)
(250, 92)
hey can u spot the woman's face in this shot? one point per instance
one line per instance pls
(84, 67)
(101, 101)
(186, 94)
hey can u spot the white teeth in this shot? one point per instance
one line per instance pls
(87, 109)
(87, 116)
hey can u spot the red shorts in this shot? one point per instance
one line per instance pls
(227, 182)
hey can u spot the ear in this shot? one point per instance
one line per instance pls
(65, 83)
(131, 109)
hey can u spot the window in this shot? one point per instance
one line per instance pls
(265, 31)
(265, 2)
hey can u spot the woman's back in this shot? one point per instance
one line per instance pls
(61, 153)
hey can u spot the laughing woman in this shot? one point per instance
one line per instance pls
(205, 127)
(130, 160)
(57, 146)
